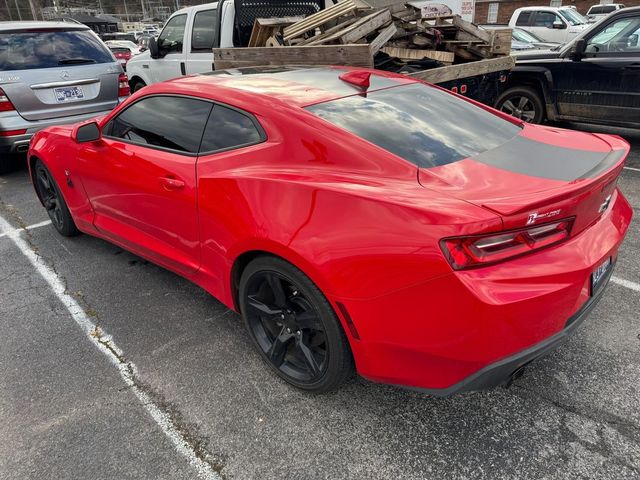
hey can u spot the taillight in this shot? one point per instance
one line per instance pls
(123, 86)
(5, 103)
(481, 250)
(11, 133)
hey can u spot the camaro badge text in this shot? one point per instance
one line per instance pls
(533, 217)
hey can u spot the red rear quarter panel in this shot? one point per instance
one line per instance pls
(354, 220)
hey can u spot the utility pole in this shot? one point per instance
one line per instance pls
(142, 3)
(126, 12)
(6, 2)
(33, 10)
(18, 8)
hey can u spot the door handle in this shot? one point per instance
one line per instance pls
(171, 183)
(183, 68)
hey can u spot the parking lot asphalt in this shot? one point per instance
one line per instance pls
(196, 400)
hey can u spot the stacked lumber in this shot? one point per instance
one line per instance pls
(351, 32)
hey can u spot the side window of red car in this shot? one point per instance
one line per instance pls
(166, 122)
(230, 128)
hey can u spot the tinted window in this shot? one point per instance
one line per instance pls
(421, 124)
(595, 10)
(523, 18)
(171, 38)
(167, 122)
(229, 128)
(545, 19)
(49, 49)
(204, 31)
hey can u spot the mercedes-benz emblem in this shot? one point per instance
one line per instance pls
(64, 74)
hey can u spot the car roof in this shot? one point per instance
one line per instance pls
(294, 85)
(38, 25)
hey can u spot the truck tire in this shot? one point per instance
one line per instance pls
(523, 103)
(136, 85)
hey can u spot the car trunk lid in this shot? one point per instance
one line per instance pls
(528, 181)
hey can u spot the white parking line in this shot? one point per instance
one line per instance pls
(105, 343)
(626, 283)
(29, 227)
(631, 168)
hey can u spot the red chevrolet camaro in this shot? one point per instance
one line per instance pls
(355, 218)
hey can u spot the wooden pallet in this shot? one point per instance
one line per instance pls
(318, 19)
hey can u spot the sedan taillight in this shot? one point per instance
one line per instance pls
(123, 86)
(5, 103)
(481, 250)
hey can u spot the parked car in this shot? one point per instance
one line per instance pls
(524, 40)
(597, 12)
(123, 51)
(440, 255)
(551, 24)
(131, 46)
(52, 73)
(531, 39)
(593, 79)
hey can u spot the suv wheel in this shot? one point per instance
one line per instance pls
(523, 103)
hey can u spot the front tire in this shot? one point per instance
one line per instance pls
(293, 326)
(52, 199)
(523, 103)
(137, 85)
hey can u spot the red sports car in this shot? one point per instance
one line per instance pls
(355, 218)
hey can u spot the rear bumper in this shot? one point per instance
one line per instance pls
(11, 121)
(501, 372)
(470, 330)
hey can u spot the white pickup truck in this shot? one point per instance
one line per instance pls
(185, 44)
(552, 24)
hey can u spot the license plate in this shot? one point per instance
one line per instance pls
(599, 274)
(66, 94)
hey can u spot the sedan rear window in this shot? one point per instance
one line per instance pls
(422, 124)
(26, 50)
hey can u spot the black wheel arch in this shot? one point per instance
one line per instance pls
(538, 78)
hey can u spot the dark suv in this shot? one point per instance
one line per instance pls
(594, 79)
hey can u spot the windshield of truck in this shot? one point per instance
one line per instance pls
(422, 124)
(573, 17)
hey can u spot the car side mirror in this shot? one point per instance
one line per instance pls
(558, 25)
(154, 51)
(89, 132)
(579, 47)
(632, 41)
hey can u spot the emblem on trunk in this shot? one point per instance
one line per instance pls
(64, 74)
(605, 204)
(533, 217)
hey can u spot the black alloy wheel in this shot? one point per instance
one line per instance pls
(53, 201)
(293, 325)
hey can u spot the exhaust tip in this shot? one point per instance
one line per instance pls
(22, 148)
(517, 373)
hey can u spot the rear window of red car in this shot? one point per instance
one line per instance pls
(424, 125)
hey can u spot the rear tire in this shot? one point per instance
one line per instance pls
(523, 103)
(137, 85)
(293, 326)
(52, 199)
